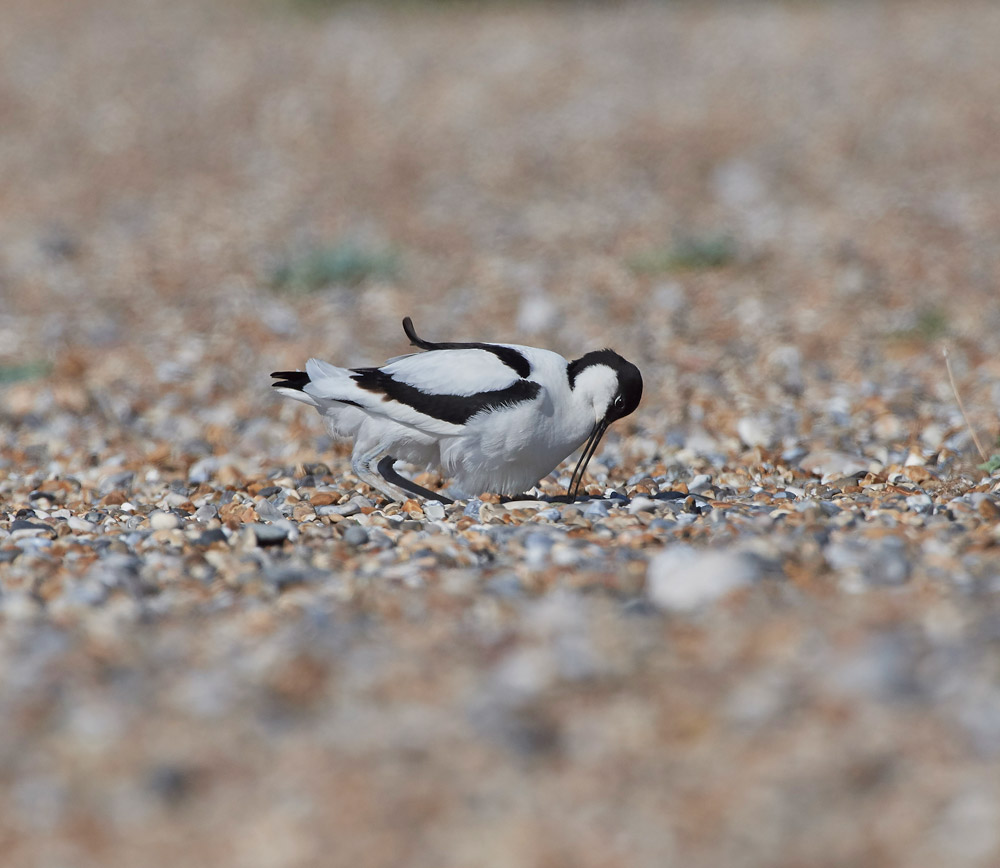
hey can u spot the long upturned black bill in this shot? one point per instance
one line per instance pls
(585, 456)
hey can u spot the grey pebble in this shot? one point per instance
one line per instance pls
(874, 562)
(206, 513)
(682, 578)
(268, 511)
(206, 538)
(434, 510)
(341, 509)
(641, 504)
(269, 534)
(285, 575)
(920, 503)
(355, 535)
(122, 479)
(24, 524)
(203, 469)
(472, 508)
(596, 509)
(506, 585)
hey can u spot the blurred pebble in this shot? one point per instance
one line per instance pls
(682, 578)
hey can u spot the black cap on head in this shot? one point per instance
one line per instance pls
(629, 380)
(629, 390)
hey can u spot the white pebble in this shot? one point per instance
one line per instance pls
(160, 520)
(682, 578)
(434, 510)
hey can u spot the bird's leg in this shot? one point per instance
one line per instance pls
(361, 465)
(389, 475)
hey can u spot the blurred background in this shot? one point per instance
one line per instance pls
(742, 197)
(781, 211)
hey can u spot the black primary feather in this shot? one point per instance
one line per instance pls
(290, 380)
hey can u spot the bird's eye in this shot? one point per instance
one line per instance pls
(619, 402)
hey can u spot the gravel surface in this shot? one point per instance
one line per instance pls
(768, 636)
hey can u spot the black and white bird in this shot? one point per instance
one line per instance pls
(494, 417)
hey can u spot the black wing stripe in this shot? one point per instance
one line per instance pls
(512, 358)
(456, 409)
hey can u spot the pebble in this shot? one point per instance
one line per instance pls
(434, 510)
(269, 534)
(344, 509)
(920, 503)
(641, 504)
(208, 537)
(881, 561)
(596, 509)
(160, 520)
(355, 535)
(682, 578)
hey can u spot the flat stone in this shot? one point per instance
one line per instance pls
(341, 509)
(22, 524)
(269, 534)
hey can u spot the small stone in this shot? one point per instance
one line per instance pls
(472, 508)
(268, 511)
(596, 509)
(123, 479)
(80, 525)
(286, 575)
(160, 520)
(988, 509)
(879, 561)
(203, 470)
(341, 509)
(755, 431)
(324, 498)
(22, 524)
(434, 510)
(699, 482)
(355, 535)
(208, 537)
(683, 578)
(828, 463)
(206, 513)
(920, 503)
(269, 534)
(641, 504)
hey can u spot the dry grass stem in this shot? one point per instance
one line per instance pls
(961, 406)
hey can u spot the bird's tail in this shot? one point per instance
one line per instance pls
(292, 384)
(320, 384)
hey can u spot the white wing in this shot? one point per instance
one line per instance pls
(452, 372)
(330, 388)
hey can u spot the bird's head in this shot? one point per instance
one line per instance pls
(613, 387)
